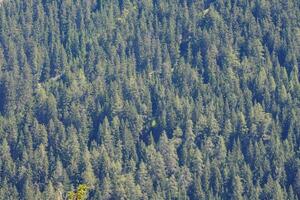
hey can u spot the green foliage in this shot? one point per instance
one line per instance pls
(149, 99)
(80, 193)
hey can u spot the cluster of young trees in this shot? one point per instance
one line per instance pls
(150, 99)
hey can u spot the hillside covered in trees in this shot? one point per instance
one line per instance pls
(150, 99)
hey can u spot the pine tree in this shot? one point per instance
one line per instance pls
(237, 188)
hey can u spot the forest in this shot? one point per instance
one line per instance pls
(150, 99)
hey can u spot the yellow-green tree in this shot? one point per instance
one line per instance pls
(80, 194)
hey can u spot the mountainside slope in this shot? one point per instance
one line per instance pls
(150, 99)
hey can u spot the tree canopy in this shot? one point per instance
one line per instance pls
(150, 99)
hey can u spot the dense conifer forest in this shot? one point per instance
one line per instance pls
(150, 99)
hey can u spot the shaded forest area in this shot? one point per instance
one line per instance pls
(150, 99)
